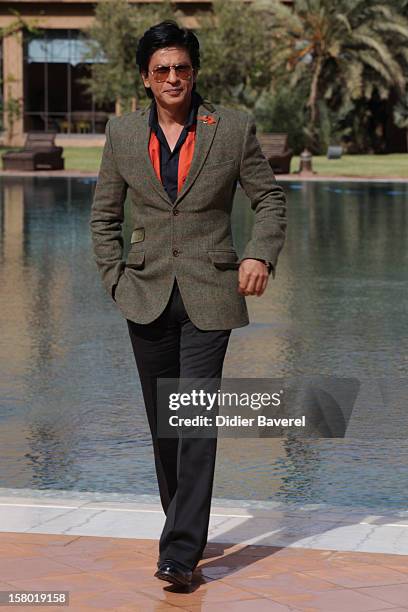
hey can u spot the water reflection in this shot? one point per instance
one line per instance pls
(71, 407)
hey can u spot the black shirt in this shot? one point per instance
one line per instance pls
(169, 160)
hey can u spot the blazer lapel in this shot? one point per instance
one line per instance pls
(205, 133)
(143, 142)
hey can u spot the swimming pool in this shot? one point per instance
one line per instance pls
(71, 409)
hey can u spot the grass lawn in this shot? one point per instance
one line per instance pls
(87, 159)
(392, 165)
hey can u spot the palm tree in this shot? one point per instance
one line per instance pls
(345, 50)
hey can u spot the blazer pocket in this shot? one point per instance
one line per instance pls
(135, 259)
(224, 259)
(219, 165)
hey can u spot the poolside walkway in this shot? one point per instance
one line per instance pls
(279, 177)
(263, 556)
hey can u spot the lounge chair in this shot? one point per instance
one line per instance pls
(334, 152)
(39, 153)
(275, 149)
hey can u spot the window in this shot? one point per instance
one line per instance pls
(55, 99)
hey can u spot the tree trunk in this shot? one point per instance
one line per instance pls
(314, 89)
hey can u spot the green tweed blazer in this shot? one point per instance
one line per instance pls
(190, 239)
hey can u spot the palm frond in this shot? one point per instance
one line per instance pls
(387, 13)
(376, 64)
(384, 53)
(343, 19)
(355, 79)
(383, 91)
(393, 28)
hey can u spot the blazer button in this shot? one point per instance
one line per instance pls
(175, 211)
(176, 252)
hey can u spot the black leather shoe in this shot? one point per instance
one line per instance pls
(173, 572)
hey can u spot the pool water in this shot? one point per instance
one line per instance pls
(71, 408)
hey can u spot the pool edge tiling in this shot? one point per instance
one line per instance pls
(236, 522)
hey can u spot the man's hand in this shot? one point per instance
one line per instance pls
(253, 277)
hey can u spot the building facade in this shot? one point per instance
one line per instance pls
(41, 73)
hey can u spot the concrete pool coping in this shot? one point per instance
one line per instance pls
(102, 549)
(243, 522)
(279, 177)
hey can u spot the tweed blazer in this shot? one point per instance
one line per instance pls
(190, 239)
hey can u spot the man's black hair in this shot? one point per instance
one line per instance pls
(166, 34)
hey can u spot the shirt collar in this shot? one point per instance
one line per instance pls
(196, 100)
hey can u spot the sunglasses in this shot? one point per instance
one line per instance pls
(161, 73)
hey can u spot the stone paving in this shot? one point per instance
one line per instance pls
(280, 177)
(102, 548)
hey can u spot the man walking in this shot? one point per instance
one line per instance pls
(182, 287)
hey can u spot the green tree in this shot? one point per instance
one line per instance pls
(282, 111)
(235, 49)
(344, 51)
(112, 42)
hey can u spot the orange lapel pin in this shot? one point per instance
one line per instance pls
(207, 119)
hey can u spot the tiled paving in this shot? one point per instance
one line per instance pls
(261, 556)
(103, 573)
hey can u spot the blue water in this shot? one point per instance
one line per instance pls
(71, 408)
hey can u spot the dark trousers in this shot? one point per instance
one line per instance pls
(173, 347)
